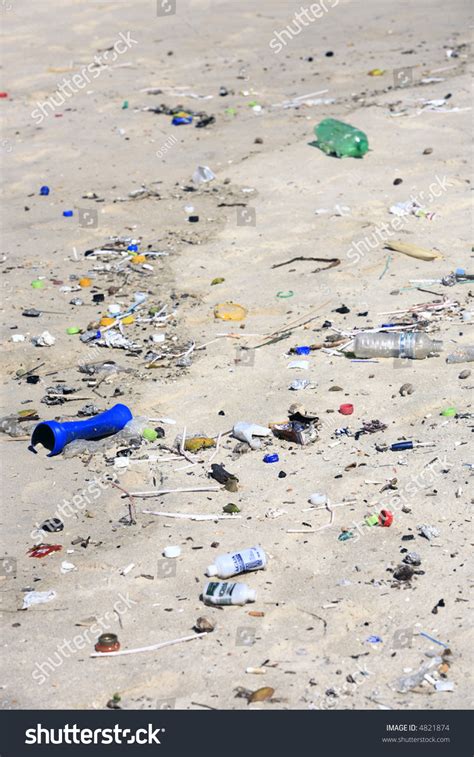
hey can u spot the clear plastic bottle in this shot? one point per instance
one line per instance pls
(410, 344)
(233, 563)
(216, 593)
(462, 355)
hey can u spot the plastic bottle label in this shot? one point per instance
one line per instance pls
(221, 591)
(407, 345)
(248, 559)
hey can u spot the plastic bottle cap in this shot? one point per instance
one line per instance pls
(128, 319)
(385, 518)
(449, 412)
(346, 409)
(318, 499)
(211, 570)
(172, 551)
(44, 190)
(85, 282)
(68, 213)
(271, 458)
(105, 321)
(37, 284)
(73, 330)
(149, 434)
(114, 309)
(252, 595)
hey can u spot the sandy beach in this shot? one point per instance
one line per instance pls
(331, 627)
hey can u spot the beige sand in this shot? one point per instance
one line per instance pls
(321, 598)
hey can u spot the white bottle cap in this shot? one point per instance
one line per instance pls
(211, 570)
(172, 551)
(251, 595)
(318, 499)
(114, 309)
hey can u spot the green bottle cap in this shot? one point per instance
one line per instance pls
(449, 412)
(149, 434)
(73, 330)
(372, 520)
(37, 284)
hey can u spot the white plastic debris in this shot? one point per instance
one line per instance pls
(172, 551)
(318, 499)
(67, 567)
(38, 598)
(121, 462)
(444, 686)
(158, 338)
(429, 532)
(44, 340)
(298, 384)
(411, 207)
(127, 569)
(114, 309)
(246, 431)
(18, 338)
(301, 364)
(203, 174)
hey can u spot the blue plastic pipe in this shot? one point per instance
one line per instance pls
(54, 435)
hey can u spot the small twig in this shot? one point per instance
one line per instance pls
(132, 511)
(192, 516)
(158, 492)
(333, 262)
(217, 447)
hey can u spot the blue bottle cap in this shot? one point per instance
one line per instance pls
(44, 190)
(271, 458)
(68, 213)
(302, 350)
(132, 248)
(460, 271)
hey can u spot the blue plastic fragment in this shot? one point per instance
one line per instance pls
(303, 350)
(44, 190)
(271, 458)
(68, 213)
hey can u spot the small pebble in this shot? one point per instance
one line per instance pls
(397, 181)
(465, 374)
(427, 151)
(406, 389)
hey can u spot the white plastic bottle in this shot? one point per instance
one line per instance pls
(233, 563)
(228, 593)
(410, 344)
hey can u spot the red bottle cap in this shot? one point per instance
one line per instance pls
(3, 94)
(346, 409)
(385, 518)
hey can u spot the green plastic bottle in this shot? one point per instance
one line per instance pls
(336, 138)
